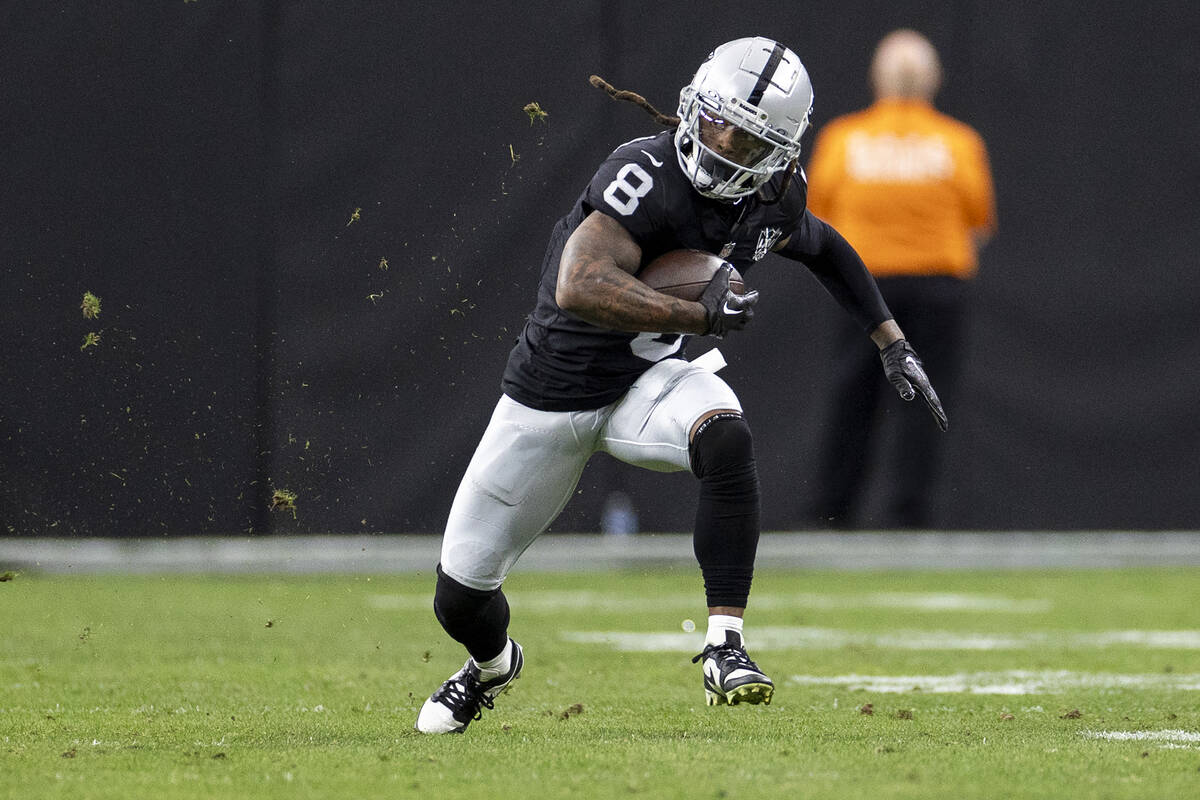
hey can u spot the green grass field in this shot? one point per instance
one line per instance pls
(981, 685)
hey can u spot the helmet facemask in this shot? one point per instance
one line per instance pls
(768, 134)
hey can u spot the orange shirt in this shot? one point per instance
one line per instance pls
(906, 185)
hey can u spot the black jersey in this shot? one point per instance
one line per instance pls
(560, 362)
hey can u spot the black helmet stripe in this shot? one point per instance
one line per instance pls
(764, 79)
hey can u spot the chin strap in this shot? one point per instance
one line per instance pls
(636, 99)
(788, 172)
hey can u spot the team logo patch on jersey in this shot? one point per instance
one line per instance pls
(766, 240)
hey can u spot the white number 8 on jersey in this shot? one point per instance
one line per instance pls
(622, 186)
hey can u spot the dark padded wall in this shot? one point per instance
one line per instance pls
(197, 165)
(133, 168)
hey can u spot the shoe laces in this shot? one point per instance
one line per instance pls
(728, 656)
(464, 693)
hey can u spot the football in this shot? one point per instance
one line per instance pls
(685, 273)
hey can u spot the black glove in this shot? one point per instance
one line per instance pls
(725, 310)
(903, 368)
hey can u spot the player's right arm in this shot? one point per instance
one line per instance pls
(596, 284)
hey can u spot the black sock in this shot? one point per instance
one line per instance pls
(726, 536)
(477, 619)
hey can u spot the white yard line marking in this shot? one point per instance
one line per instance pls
(554, 600)
(916, 601)
(1175, 737)
(783, 638)
(1144, 736)
(1009, 682)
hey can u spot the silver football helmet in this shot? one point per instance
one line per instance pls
(758, 86)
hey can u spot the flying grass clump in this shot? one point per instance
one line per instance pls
(90, 305)
(535, 112)
(91, 340)
(283, 500)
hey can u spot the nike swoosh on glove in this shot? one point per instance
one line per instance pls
(725, 310)
(904, 369)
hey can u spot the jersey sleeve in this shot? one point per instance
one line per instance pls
(629, 187)
(840, 270)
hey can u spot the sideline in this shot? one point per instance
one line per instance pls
(589, 552)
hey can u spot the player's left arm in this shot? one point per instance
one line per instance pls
(841, 271)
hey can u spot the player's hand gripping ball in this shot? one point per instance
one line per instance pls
(706, 279)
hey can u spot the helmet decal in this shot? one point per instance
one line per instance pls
(765, 77)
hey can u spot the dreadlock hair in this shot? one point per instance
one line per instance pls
(636, 99)
(671, 122)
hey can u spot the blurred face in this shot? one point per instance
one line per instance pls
(731, 142)
(906, 66)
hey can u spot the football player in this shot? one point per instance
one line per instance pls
(600, 364)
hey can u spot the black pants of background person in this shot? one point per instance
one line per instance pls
(931, 312)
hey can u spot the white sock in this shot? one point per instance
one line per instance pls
(495, 667)
(719, 628)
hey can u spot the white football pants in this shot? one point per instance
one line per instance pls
(528, 463)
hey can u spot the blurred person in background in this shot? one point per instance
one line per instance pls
(910, 188)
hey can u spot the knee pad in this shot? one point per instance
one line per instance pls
(723, 446)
